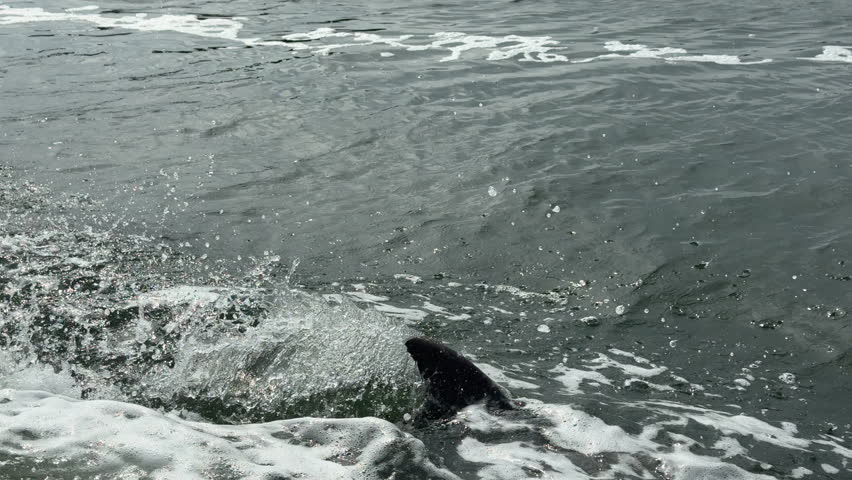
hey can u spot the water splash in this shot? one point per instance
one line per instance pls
(125, 317)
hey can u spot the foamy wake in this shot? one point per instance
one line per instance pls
(454, 45)
(57, 437)
(654, 438)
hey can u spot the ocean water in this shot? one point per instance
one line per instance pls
(220, 221)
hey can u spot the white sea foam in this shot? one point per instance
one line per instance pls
(476, 417)
(742, 383)
(553, 297)
(635, 357)
(455, 45)
(501, 310)
(87, 8)
(409, 314)
(661, 446)
(500, 377)
(377, 302)
(516, 460)
(435, 308)
(589, 372)
(730, 446)
(573, 378)
(630, 382)
(718, 59)
(833, 53)
(443, 312)
(729, 424)
(61, 437)
(800, 472)
(669, 54)
(575, 430)
(410, 278)
(604, 361)
(194, 295)
(367, 297)
(836, 448)
(221, 28)
(572, 429)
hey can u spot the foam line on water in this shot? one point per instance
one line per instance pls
(526, 49)
(669, 54)
(221, 28)
(456, 45)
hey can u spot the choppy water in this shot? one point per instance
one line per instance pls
(219, 221)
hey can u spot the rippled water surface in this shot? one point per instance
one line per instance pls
(219, 222)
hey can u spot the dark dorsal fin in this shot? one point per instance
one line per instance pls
(453, 381)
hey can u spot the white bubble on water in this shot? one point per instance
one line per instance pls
(742, 382)
(543, 329)
(492, 192)
(800, 472)
(787, 378)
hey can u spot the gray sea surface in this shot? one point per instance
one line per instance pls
(633, 215)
